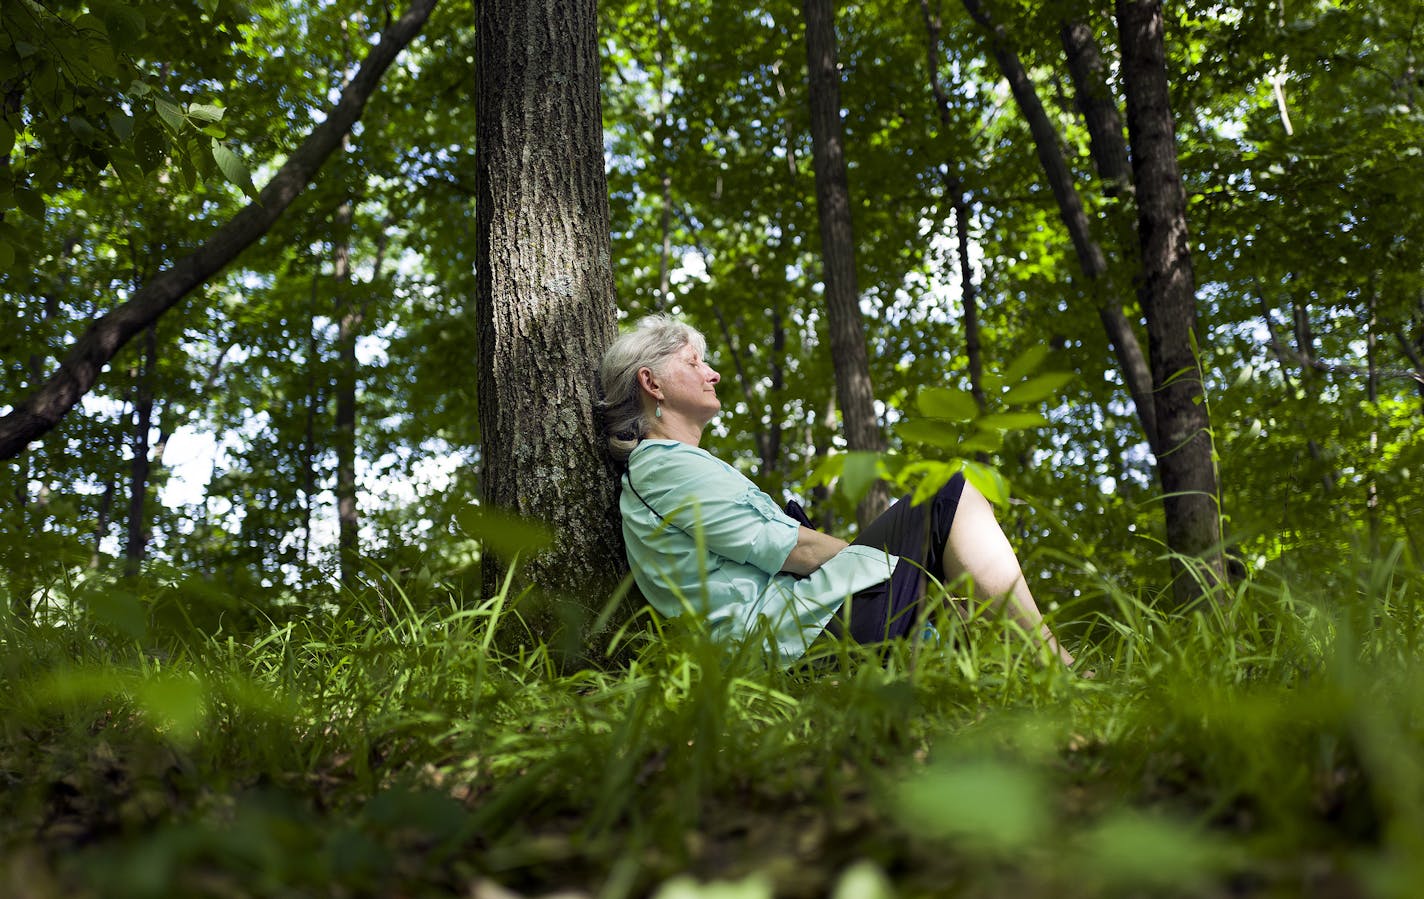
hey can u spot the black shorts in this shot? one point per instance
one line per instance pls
(917, 534)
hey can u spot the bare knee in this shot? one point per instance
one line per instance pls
(978, 548)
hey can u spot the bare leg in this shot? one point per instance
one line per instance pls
(977, 547)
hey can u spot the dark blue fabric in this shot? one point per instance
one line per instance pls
(891, 608)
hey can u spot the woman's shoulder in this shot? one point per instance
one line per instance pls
(653, 449)
(651, 456)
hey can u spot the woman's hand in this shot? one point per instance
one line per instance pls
(813, 549)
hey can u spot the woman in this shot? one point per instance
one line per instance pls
(701, 537)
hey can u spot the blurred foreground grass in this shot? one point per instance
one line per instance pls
(1270, 746)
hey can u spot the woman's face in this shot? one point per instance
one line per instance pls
(688, 385)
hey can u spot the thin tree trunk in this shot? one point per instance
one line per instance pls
(771, 452)
(1185, 465)
(544, 299)
(101, 526)
(1123, 338)
(348, 314)
(664, 130)
(1412, 354)
(854, 390)
(38, 413)
(136, 545)
(1096, 104)
(1282, 359)
(955, 193)
(1372, 502)
(308, 460)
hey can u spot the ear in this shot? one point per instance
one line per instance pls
(649, 382)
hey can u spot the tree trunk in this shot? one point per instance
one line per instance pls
(348, 315)
(1316, 453)
(664, 130)
(1131, 363)
(308, 460)
(1413, 355)
(854, 390)
(1372, 502)
(137, 543)
(771, 446)
(1095, 103)
(39, 412)
(544, 300)
(101, 525)
(958, 199)
(1185, 464)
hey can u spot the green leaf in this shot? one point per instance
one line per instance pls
(7, 255)
(1025, 363)
(204, 112)
(983, 442)
(1012, 421)
(125, 23)
(984, 805)
(987, 481)
(947, 403)
(101, 56)
(82, 128)
(187, 173)
(827, 470)
(121, 125)
(7, 139)
(504, 533)
(93, 25)
(171, 114)
(233, 168)
(119, 611)
(858, 473)
(173, 704)
(937, 474)
(1139, 851)
(30, 203)
(921, 430)
(1038, 388)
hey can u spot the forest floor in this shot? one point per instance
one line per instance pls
(1269, 747)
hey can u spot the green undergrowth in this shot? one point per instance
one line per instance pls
(1266, 745)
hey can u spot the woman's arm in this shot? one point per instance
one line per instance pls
(813, 549)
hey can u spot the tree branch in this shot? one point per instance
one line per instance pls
(39, 412)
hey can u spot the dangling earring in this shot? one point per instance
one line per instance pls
(658, 412)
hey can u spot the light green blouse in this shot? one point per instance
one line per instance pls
(702, 538)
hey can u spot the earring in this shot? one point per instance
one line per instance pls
(658, 412)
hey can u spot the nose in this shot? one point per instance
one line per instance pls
(712, 375)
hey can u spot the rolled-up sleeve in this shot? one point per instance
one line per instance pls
(712, 502)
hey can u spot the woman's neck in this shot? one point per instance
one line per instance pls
(671, 428)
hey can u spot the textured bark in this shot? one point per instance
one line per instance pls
(1096, 104)
(348, 315)
(854, 390)
(1126, 347)
(38, 413)
(1184, 465)
(544, 298)
(137, 542)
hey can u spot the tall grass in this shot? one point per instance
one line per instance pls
(1270, 744)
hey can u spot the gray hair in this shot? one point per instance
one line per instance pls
(648, 345)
